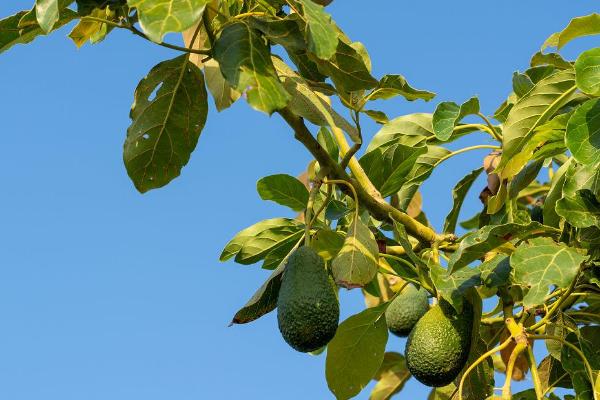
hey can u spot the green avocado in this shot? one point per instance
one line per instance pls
(406, 309)
(438, 346)
(308, 311)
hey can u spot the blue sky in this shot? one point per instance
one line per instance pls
(109, 294)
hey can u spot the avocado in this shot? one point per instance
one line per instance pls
(438, 347)
(537, 214)
(308, 311)
(406, 309)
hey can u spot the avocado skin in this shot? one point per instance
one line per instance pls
(406, 309)
(438, 346)
(308, 311)
(537, 214)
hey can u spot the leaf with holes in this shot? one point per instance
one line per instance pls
(283, 189)
(587, 71)
(356, 263)
(540, 263)
(159, 17)
(245, 62)
(356, 352)
(458, 195)
(583, 133)
(448, 114)
(165, 128)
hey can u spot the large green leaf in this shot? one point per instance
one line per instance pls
(267, 241)
(321, 32)
(530, 112)
(476, 244)
(159, 17)
(551, 218)
(166, 126)
(388, 169)
(411, 130)
(540, 263)
(587, 71)
(581, 210)
(396, 85)
(578, 177)
(577, 27)
(306, 103)
(552, 374)
(583, 133)
(47, 13)
(283, 189)
(347, 69)
(458, 195)
(234, 246)
(245, 62)
(283, 31)
(11, 33)
(559, 326)
(356, 352)
(357, 262)
(553, 59)
(391, 377)
(448, 114)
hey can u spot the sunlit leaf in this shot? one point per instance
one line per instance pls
(448, 114)
(391, 377)
(458, 195)
(553, 59)
(540, 263)
(168, 114)
(223, 94)
(356, 263)
(245, 62)
(283, 189)
(47, 13)
(327, 243)
(396, 85)
(583, 133)
(577, 27)
(581, 210)
(587, 71)
(356, 352)
(321, 32)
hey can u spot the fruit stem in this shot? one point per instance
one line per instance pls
(519, 348)
(535, 377)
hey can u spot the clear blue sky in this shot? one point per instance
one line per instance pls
(109, 294)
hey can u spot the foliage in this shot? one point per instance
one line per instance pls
(532, 249)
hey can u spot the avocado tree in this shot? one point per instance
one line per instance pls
(526, 272)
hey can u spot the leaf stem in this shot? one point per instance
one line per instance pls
(464, 150)
(491, 130)
(565, 295)
(351, 187)
(519, 348)
(535, 376)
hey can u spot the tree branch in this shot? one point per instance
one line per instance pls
(376, 205)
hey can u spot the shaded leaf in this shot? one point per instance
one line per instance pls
(159, 17)
(283, 189)
(587, 339)
(553, 59)
(583, 133)
(322, 34)
(245, 61)
(283, 31)
(448, 114)
(476, 244)
(540, 263)
(223, 94)
(524, 178)
(391, 377)
(325, 138)
(356, 352)
(522, 84)
(559, 326)
(166, 127)
(551, 218)
(480, 382)
(587, 71)
(577, 27)
(234, 246)
(552, 374)
(581, 210)
(356, 263)
(458, 196)
(396, 85)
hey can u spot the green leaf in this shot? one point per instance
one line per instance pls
(321, 32)
(391, 377)
(452, 287)
(308, 104)
(11, 33)
(223, 94)
(388, 169)
(587, 339)
(378, 116)
(552, 374)
(347, 69)
(577, 27)
(448, 114)
(357, 262)
(578, 177)
(241, 238)
(166, 127)
(540, 263)
(524, 178)
(402, 237)
(47, 13)
(531, 111)
(265, 242)
(553, 59)
(471, 223)
(581, 210)
(410, 130)
(583, 133)
(263, 301)
(283, 189)
(325, 138)
(522, 84)
(283, 31)
(159, 17)
(559, 326)
(587, 72)
(551, 218)
(476, 244)
(327, 243)
(396, 85)
(458, 195)
(245, 61)
(479, 384)
(356, 352)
